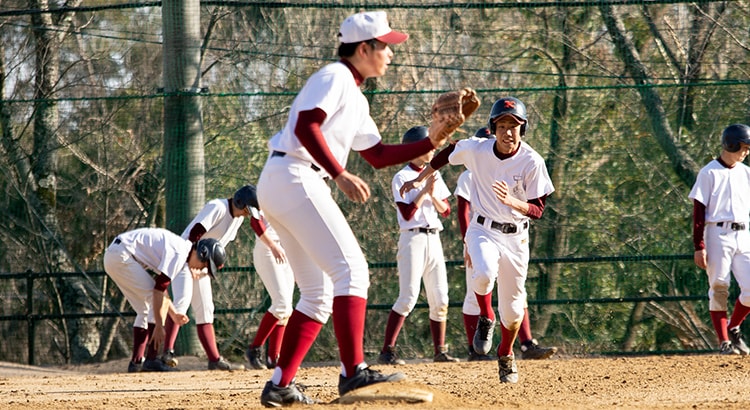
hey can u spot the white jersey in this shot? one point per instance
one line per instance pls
(426, 215)
(724, 191)
(525, 173)
(217, 218)
(463, 186)
(348, 125)
(157, 249)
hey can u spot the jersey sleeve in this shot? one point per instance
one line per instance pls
(211, 213)
(441, 190)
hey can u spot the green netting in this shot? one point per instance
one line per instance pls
(148, 109)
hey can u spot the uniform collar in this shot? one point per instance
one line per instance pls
(358, 79)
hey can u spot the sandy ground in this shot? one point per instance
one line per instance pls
(653, 382)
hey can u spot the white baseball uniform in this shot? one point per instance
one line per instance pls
(323, 252)
(133, 254)
(725, 192)
(278, 278)
(463, 190)
(497, 237)
(216, 217)
(420, 251)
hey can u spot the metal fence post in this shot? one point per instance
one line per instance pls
(29, 313)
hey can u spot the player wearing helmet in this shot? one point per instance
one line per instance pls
(131, 259)
(721, 204)
(530, 347)
(420, 254)
(220, 219)
(509, 187)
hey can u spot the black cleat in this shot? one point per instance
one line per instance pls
(444, 357)
(134, 367)
(254, 355)
(389, 356)
(224, 364)
(507, 370)
(738, 341)
(169, 358)
(531, 350)
(275, 396)
(365, 377)
(483, 336)
(476, 357)
(157, 365)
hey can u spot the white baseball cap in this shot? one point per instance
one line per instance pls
(367, 26)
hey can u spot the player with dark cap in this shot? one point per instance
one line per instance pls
(130, 261)
(721, 205)
(219, 219)
(420, 254)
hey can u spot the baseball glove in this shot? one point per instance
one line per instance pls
(450, 110)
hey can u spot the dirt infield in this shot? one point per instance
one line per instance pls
(654, 382)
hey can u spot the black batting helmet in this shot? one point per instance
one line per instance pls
(733, 135)
(508, 105)
(483, 132)
(415, 134)
(246, 198)
(210, 250)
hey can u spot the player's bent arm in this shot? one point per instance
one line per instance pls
(417, 182)
(382, 155)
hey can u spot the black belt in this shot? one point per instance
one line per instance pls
(424, 230)
(283, 154)
(502, 226)
(735, 226)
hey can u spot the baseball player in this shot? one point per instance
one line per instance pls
(219, 219)
(721, 204)
(509, 187)
(132, 259)
(328, 118)
(273, 268)
(420, 254)
(530, 348)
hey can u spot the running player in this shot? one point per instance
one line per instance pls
(721, 204)
(131, 260)
(510, 185)
(328, 118)
(420, 254)
(530, 348)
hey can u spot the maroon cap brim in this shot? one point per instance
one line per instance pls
(394, 37)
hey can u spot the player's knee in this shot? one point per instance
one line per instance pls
(481, 284)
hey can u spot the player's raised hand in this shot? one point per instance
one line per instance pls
(353, 187)
(408, 186)
(429, 185)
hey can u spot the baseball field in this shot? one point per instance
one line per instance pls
(645, 382)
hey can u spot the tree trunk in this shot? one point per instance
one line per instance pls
(184, 167)
(684, 166)
(81, 335)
